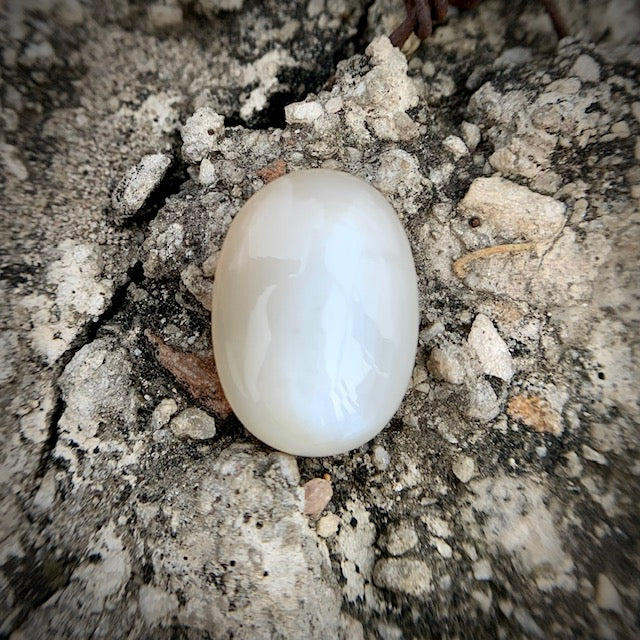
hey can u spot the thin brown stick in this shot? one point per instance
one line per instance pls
(461, 265)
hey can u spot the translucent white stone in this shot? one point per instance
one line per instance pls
(315, 313)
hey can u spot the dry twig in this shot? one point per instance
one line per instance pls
(461, 265)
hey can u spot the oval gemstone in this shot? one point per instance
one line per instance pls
(315, 313)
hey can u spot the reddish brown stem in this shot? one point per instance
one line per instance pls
(422, 14)
(559, 23)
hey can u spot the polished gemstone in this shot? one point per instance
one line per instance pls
(315, 313)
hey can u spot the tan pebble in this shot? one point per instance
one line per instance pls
(536, 413)
(505, 312)
(275, 170)
(317, 493)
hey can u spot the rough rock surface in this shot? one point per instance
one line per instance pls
(501, 500)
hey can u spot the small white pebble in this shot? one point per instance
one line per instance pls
(328, 525)
(471, 135)
(443, 548)
(38, 55)
(586, 68)
(445, 582)
(447, 364)
(431, 331)
(207, 173)
(437, 526)
(69, 12)
(201, 133)
(620, 129)
(442, 174)
(483, 600)
(12, 163)
(401, 538)
(490, 348)
(464, 468)
(160, 435)
(455, 146)
(195, 424)
(380, 457)
(482, 402)
(388, 631)
(314, 8)
(482, 570)
(428, 69)
(574, 466)
(506, 607)
(334, 105)
(303, 112)
(513, 57)
(164, 16)
(296, 157)
(10, 119)
(163, 412)
(592, 455)
(209, 265)
(46, 494)
(607, 596)
(139, 183)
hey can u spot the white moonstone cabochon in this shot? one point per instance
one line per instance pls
(315, 313)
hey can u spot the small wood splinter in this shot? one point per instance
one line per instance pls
(461, 265)
(197, 373)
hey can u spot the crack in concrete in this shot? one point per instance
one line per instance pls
(134, 275)
(272, 115)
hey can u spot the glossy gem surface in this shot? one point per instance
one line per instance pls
(315, 313)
